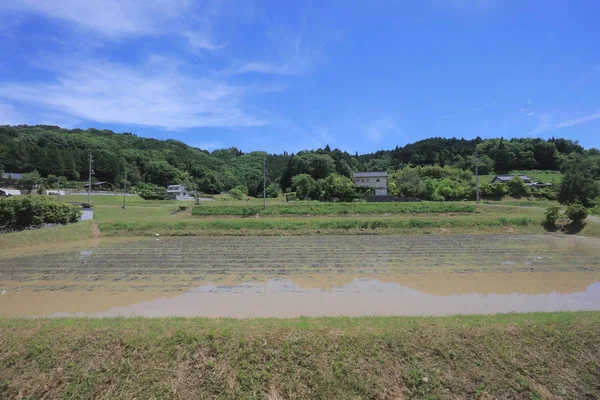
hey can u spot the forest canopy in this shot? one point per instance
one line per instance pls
(55, 151)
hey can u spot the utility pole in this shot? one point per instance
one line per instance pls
(90, 182)
(57, 188)
(124, 189)
(265, 182)
(477, 175)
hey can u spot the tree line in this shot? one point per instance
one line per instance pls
(56, 152)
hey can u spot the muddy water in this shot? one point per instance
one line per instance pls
(313, 276)
(283, 298)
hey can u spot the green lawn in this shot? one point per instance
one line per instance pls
(518, 356)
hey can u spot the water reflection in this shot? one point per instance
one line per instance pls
(284, 298)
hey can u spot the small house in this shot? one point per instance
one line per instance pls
(11, 176)
(178, 192)
(377, 180)
(507, 178)
(526, 180)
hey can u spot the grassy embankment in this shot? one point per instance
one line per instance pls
(347, 218)
(318, 208)
(524, 356)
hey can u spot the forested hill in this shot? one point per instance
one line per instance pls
(55, 151)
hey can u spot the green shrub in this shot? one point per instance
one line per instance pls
(552, 214)
(236, 194)
(576, 212)
(545, 193)
(273, 191)
(290, 196)
(20, 212)
(154, 192)
(516, 187)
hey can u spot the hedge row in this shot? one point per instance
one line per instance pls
(24, 211)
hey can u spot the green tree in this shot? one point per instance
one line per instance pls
(236, 194)
(273, 190)
(29, 181)
(502, 161)
(576, 213)
(552, 214)
(304, 185)
(337, 188)
(578, 184)
(407, 183)
(516, 187)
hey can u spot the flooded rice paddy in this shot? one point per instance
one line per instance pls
(306, 275)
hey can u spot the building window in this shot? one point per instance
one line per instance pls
(377, 180)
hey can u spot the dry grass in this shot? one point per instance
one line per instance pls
(527, 356)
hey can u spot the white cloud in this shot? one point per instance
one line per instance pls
(545, 124)
(382, 127)
(111, 18)
(9, 116)
(202, 41)
(118, 19)
(294, 52)
(577, 121)
(154, 94)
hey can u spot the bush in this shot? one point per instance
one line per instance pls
(545, 193)
(552, 214)
(290, 196)
(154, 192)
(273, 191)
(516, 187)
(21, 212)
(236, 194)
(577, 213)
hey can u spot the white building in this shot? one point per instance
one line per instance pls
(377, 180)
(9, 192)
(178, 192)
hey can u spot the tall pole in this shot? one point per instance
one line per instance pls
(265, 182)
(477, 175)
(90, 182)
(124, 189)
(57, 188)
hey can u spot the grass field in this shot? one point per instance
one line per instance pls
(353, 225)
(518, 356)
(319, 208)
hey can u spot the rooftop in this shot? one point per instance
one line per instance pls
(370, 174)
(12, 175)
(509, 177)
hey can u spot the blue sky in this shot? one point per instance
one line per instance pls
(291, 75)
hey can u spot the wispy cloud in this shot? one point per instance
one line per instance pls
(545, 122)
(9, 116)
(116, 19)
(380, 128)
(577, 121)
(295, 53)
(111, 18)
(152, 94)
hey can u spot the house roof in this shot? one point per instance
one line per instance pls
(370, 174)
(95, 184)
(506, 178)
(12, 175)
